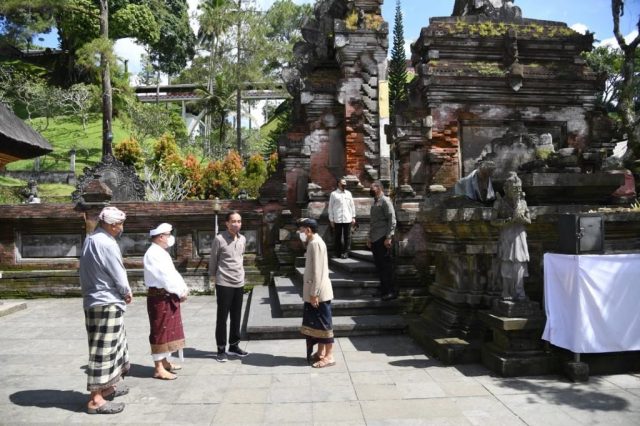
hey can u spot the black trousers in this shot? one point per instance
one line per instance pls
(384, 265)
(229, 305)
(342, 231)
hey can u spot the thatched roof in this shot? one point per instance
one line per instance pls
(18, 141)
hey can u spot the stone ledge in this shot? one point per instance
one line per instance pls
(7, 308)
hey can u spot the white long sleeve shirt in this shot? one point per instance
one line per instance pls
(160, 272)
(341, 207)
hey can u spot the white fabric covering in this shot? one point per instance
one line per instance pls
(591, 302)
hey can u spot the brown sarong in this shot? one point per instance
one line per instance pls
(165, 321)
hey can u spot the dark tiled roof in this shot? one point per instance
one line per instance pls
(18, 139)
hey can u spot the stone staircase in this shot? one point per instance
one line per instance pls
(275, 311)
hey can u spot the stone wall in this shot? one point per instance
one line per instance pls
(68, 178)
(40, 244)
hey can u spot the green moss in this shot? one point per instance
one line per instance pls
(499, 29)
(487, 69)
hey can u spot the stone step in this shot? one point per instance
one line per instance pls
(263, 324)
(352, 265)
(362, 255)
(350, 285)
(290, 302)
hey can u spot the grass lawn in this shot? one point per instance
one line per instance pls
(66, 133)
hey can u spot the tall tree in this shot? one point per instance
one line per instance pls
(626, 104)
(398, 63)
(284, 21)
(176, 43)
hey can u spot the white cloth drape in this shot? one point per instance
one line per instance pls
(592, 302)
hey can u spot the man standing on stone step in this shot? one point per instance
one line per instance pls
(342, 216)
(383, 226)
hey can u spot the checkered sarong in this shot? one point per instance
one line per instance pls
(108, 349)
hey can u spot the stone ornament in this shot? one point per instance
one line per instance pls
(511, 215)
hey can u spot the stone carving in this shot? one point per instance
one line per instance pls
(511, 214)
(515, 69)
(30, 193)
(477, 186)
(495, 9)
(121, 179)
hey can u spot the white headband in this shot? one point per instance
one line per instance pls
(112, 215)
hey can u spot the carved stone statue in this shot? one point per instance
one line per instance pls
(30, 193)
(503, 9)
(477, 185)
(511, 214)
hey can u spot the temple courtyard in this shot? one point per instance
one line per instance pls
(377, 380)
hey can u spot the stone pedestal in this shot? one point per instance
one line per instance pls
(576, 371)
(516, 348)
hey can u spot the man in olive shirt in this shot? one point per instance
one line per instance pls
(383, 226)
(226, 265)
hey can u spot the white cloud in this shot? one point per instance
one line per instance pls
(612, 42)
(127, 49)
(580, 28)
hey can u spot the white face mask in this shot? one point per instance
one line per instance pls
(171, 240)
(303, 237)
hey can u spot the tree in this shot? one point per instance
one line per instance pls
(398, 63)
(284, 21)
(78, 100)
(148, 75)
(607, 62)
(162, 184)
(626, 104)
(20, 25)
(176, 42)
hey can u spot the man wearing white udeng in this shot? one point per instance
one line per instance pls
(166, 289)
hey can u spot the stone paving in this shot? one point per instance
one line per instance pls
(377, 381)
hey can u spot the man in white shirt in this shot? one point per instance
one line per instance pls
(165, 290)
(342, 216)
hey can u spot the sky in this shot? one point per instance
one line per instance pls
(581, 15)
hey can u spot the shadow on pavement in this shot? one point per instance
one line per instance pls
(141, 371)
(197, 353)
(266, 360)
(416, 363)
(48, 398)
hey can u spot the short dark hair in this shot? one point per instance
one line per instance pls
(309, 223)
(227, 217)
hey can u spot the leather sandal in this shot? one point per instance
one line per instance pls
(323, 363)
(121, 389)
(107, 408)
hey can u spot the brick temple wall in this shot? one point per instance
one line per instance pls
(40, 244)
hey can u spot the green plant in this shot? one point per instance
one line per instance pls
(351, 20)
(129, 152)
(373, 21)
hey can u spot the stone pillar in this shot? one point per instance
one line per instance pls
(72, 161)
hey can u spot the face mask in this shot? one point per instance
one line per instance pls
(235, 228)
(372, 193)
(303, 237)
(171, 240)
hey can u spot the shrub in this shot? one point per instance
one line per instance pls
(129, 152)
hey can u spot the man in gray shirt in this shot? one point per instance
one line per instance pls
(381, 230)
(227, 268)
(105, 293)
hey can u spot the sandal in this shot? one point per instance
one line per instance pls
(323, 363)
(172, 367)
(107, 408)
(173, 377)
(120, 389)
